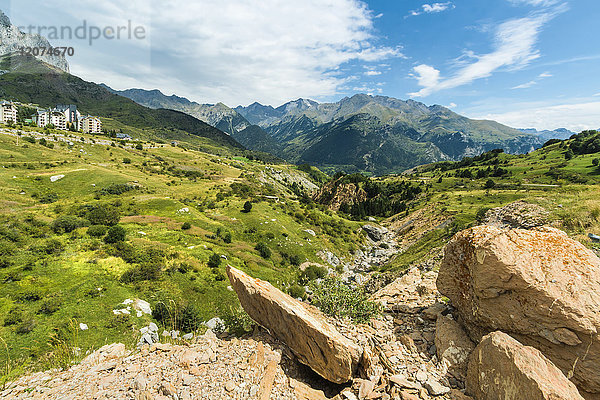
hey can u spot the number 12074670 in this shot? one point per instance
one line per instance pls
(47, 51)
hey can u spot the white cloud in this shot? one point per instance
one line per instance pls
(531, 83)
(373, 73)
(432, 8)
(452, 105)
(235, 51)
(515, 47)
(535, 3)
(573, 116)
(426, 75)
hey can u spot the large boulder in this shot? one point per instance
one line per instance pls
(453, 345)
(376, 233)
(540, 286)
(303, 328)
(502, 368)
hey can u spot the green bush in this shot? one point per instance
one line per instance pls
(48, 198)
(227, 237)
(97, 231)
(115, 234)
(263, 250)
(14, 317)
(186, 226)
(127, 161)
(139, 146)
(214, 260)
(336, 298)
(102, 214)
(66, 224)
(52, 246)
(297, 291)
(237, 322)
(247, 207)
(311, 273)
(144, 272)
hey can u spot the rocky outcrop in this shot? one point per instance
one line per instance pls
(12, 39)
(334, 194)
(376, 233)
(519, 214)
(302, 328)
(502, 368)
(453, 346)
(539, 286)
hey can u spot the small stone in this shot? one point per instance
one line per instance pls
(401, 381)
(435, 388)
(348, 395)
(422, 376)
(167, 389)
(230, 386)
(140, 383)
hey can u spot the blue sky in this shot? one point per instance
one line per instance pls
(525, 63)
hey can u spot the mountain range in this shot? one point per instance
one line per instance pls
(545, 135)
(362, 133)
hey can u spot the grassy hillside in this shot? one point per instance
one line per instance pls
(58, 270)
(32, 81)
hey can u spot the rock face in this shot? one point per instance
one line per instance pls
(12, 39)
(302, 328)
(453, 346)
(502, 368)
(376, 233)
(519, 214)
(538, 285)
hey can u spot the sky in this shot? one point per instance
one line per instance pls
(524, 63)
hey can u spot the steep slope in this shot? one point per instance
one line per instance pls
(12, 39)
(217, 115)
(32, 81)
(255, 138)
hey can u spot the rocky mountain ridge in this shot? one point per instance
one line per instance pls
(12, 40)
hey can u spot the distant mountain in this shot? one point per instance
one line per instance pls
(29, 80)
(545, 135)
(12, 39)
(218, 115)
(362, 133)
(380, 134)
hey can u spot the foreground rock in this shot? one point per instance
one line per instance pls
(502, 368)
(302, 328)
(453, 346)
(537, 285)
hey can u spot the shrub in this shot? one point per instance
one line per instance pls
(144, 272)
(26, 327)
(227, 237)
(214, 260)
(52, 246)
(236, 321)
(117, 188)
(263, 250)
(596, 162)
(97, 231)
(139, 146)
(480, 214)
(297, 291)
(189, 319)
(48, 198)
(102, 214)
(115, 234)
(295, 259)
(186, 226)
(66, 224)
(50, 306)
(311, 273)
(14, 317)
(336, 298)
(247, 207)
(127, 161)
(490, 184)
